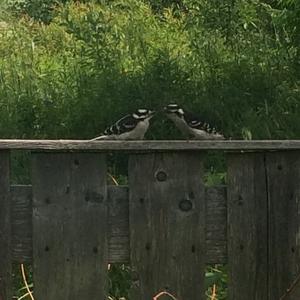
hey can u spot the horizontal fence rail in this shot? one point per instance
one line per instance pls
(148, 145)
(118, 220)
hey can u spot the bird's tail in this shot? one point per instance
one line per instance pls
(99, 138)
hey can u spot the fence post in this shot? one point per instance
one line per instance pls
(69, 226)
(5, 229)
(247, 227)
(167, 225)
(283, 170)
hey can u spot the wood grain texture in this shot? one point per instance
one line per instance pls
(5, 229)
(118, 231)
(167, 225)
(21, 211)
(69, 226)
(148, 145)
(216, 224)
(283, 171)
(247, 227)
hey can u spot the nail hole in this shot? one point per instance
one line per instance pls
(279, 167)
(76, 162)
(293, 249)
(193, 248)
(47, 249)
(142, 200)
(68, 189)
(241, 247)
(95, 249)
(47, 200)
(148, 246)
(240, 200)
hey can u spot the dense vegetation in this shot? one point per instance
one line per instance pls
(69, 68)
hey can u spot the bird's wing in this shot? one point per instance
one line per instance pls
(194, 122)
(125, 124)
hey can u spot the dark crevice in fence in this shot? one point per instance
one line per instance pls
(268, 200)
(5, 228)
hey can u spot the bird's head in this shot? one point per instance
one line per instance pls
(143, 114)
(174, 109)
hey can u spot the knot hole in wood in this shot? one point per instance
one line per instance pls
(185, 205)
(161, 175)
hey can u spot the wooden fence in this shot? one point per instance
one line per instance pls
(69, 224)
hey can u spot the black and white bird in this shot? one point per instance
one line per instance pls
(190, 125)
(130, 127)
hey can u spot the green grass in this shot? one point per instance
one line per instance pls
(119, 281)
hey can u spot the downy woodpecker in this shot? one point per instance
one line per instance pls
(130, 127)
(190, 125)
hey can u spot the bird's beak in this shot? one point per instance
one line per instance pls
(151, 113)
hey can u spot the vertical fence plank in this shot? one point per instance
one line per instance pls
(247, 227)
(69, 226)
(167, 225)
(5, 229)
(284, 222)
(21, 210)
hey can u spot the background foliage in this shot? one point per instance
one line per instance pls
(67, 69)
(70, 68)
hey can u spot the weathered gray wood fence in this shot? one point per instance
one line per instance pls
(165, 223)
